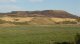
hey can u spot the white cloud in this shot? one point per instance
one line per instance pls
(36, 1)
(7, 0)
(11, 8)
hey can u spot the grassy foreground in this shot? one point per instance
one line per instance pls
(38, 34)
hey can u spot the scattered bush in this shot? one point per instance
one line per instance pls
(16, 23)
(2, 21)
(16, 19)
(62, 43)
(20, 23)
(69, 22)
(57, 22)
(78, 19)
(77, 38)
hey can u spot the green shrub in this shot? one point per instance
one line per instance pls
(69, 22)
(78, 19)
(57, 22)
(77, 38)
(20, 23)
(2, 21)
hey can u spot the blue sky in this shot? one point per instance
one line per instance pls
(72, 6)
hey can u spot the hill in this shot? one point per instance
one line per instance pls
(44, 13)
(44, 17)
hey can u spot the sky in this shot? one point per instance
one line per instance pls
(71, 6)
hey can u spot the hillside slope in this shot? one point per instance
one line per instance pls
(38, 17)
(44, 13)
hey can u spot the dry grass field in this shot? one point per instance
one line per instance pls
(23, 19)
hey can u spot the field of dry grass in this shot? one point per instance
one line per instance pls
(23, 19)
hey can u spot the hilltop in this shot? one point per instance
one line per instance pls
(44, 13)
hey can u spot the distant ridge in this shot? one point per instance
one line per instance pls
(44, 13)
